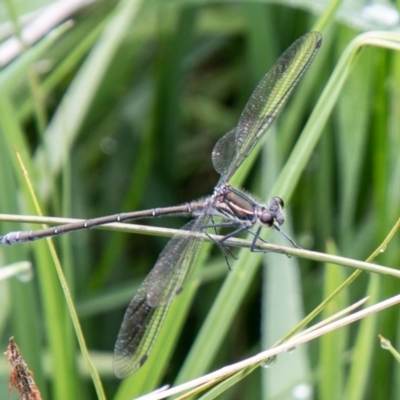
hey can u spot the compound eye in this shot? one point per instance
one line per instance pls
(266, 218)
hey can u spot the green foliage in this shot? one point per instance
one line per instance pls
(119, 111)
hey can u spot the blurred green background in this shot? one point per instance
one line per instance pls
(120, 111)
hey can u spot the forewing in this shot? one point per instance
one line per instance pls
(137, 334)
(265, 103)
(148, 308)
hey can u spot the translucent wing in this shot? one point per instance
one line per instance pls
(148, 308)
(138, 332)
(264, 105)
